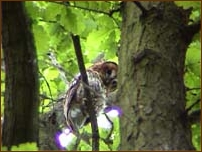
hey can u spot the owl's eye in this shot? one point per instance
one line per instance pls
(114, 84)
(109, 72)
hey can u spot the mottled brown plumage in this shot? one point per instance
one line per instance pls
(102, 80)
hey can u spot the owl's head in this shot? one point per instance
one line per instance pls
(108, 73)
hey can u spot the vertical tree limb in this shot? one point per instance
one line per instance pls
(89, 104)
(22, 87)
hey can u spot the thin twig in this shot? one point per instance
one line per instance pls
(57, 65)
(110, 13)
(107, 140)
(190, 89)
(112, 128)
(89, 104)
(190, 107)
(49, 98)
(84, 8)
(48, 89)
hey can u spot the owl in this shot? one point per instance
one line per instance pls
(102, 79)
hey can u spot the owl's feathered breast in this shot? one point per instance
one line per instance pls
(75, 106)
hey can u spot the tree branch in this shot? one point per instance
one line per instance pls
(110, 13)
(195, 116)
(49, 89)
(89, 104)
(190, 89)
(84, 8)
(191, 30)
(57, 65)
(195, 27)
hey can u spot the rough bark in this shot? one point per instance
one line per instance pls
(151, 88)
(21, 92)
(50, 126)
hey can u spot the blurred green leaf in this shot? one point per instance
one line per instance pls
(25, 147)
(69, 21)
(196, 139)
(188, 4)
(41, 38)
(51, 11)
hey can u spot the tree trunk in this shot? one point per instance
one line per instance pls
(21, 92)
(151, 88)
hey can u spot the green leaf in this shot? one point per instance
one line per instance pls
(32, 9)
(104, 6)
(65, 44)
(82, 4)
(52, 10)
(4, 148)
(191, 80)
(41, 38)
(106, 22)
(69, 21)
(90, 25)
(93, 5)
(25, 147)
(193, 58)
(95, 38)
(188, 4)
(196, 139)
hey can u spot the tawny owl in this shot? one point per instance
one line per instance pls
(102, 79)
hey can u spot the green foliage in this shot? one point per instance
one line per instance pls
(193, 73)
(193, 83)
(23, 147)
(99, 33)
(52, 24)
(192, 77)
(196, 139)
